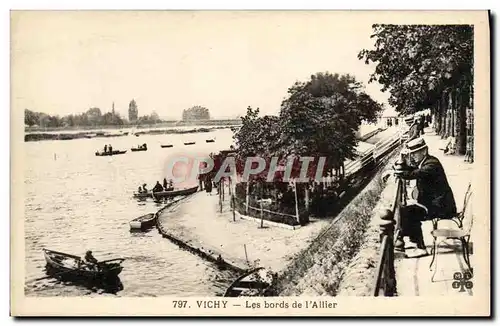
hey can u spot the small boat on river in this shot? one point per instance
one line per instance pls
(255, 282)
(167, 146)
(109, 153)
(140, 148)
(67, 265)
(166, 194)
(210, 140)
(143, 222)
(190, 143)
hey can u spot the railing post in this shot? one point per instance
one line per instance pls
(386, 223)
(399, 243)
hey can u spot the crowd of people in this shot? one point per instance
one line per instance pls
(167, 186)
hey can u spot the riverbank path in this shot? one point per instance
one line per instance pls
(198, 222)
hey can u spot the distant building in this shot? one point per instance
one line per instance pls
(133, 112)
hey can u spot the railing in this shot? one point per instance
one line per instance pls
(390, 227)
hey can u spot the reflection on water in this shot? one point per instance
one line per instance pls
(76, 201)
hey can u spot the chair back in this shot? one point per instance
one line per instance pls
(467, 215)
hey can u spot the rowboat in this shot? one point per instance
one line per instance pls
(255, 282)
(166, 146)
(143, 222)
(166, 194)
(210, 140)
(190, 143)
(138, 149)
(68, 265)
(109, 154)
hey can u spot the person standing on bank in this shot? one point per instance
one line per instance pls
(434, 193)
(414, 131)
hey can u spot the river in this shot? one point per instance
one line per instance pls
(76, 201)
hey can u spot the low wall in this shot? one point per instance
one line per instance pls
(358, 278)
(206, 254)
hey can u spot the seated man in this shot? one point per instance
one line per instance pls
(434, 193)
(91, 261)
(158, 187)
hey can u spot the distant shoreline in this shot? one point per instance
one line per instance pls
(98, 133)
(167, 123)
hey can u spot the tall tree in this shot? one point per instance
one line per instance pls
(320, 117)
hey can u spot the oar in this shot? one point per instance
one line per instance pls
(153, 196)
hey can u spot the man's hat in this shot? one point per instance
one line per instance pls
(416, 145)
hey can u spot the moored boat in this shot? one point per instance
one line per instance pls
(67, 265)
(190, 143)
(166, 194)
(210, 140)
(167, 146)
(138, 149)
(109, 153)
(143, 222)
(255, 282)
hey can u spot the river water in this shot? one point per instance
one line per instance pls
(76, 201)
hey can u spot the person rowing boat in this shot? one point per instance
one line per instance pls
(158, 187)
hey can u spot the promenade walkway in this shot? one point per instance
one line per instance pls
(198, 222)
(413, 275)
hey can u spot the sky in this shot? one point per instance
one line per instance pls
(66, 62)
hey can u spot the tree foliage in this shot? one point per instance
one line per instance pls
(318, 118)
(92, 117)
(196, 112)
(416, 63)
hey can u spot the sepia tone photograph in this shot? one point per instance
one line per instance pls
(233, 162)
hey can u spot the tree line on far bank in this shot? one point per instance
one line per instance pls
(94, 117)
(428, 67)
(91, 118)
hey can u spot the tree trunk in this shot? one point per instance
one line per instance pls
(306, 197)
(437, 118)
(247, 199)
(443, 115)
(453, 113)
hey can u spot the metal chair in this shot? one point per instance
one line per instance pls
(459, 217)
(462, 233)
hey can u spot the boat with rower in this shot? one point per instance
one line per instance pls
(67, 265)
(166, 194)
(110, 153)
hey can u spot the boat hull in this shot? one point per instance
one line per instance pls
(252, 283)
(167, 194)
(143, 223)
(166, 146)
(110, 154)
(66, 266)
(138, 149)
